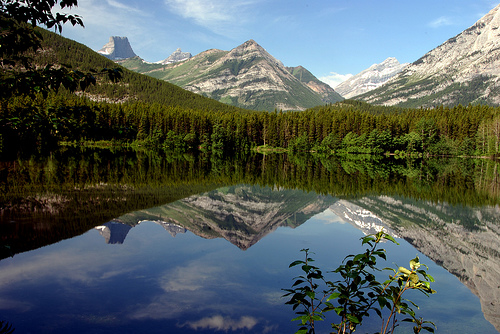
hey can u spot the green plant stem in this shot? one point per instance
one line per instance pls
(393, 309)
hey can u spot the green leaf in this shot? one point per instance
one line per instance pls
(404, 270)
(334, 295)
(316, 318)
(353, 319)
(306, 268)
(297, 282)
(311, 294)
(413, 278)
(415, 263)
(390, 238)
(294, 263)
(366, 239)
(381, 301)
(358, 257)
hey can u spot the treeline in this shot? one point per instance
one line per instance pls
(345, 127)
(139, 110)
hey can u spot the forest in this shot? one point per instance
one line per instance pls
(54, 90)
(347, 127)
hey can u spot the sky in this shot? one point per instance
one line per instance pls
(333, 39)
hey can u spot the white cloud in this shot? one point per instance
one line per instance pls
(441, 21)
(334, 79)
(192, 286)
(124, 7)
(219, 16)
(192, 277)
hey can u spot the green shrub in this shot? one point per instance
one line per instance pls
(358, 293)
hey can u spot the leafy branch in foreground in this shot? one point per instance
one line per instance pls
(20, 74)
(6, 328)
(358, 293)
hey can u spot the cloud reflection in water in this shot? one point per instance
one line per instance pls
(221, 323)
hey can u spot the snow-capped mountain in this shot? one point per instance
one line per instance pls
(464, 69)
(175, 57)
(371, 78)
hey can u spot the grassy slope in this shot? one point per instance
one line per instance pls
(135, 85)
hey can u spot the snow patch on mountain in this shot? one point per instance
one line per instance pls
(371, 78)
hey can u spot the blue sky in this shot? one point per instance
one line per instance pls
(331, 38)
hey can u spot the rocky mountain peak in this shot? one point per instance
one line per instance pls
(251, 49)
(246, 76)
(464, 69)
(117, 48)
(487, 27)
(474, 47)
(176, 56)
(371, 78)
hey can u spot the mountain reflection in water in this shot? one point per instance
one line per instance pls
(462, 240)
(56, 271)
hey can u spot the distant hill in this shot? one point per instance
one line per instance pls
(464, 69)
(371, 78)
(247, 76)
(132, 87)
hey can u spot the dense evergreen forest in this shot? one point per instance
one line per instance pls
(139, 110)
(346, 127)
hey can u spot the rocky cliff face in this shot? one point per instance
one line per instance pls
(175, 57)
(247, 76)
(464, 69)
(371, 78)
(117, 48)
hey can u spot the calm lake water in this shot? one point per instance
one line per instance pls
(127, 242)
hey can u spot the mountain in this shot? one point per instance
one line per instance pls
(326, 92)
(464, 69)
(117, 48)
(247, 76)
(371, 78)
(240, 214)
(175, 57)
(132, 87)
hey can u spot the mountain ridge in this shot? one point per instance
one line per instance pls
(464, 69)
(246, 76)
(371, 78)
(132, 87)
(175, 57)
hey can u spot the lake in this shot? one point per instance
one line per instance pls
(101, 241)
